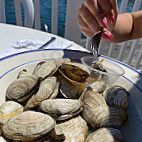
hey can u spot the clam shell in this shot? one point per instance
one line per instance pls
(103, 134)
(9, 109)
(63, 61)
(116, 96)
(45, 68)
(61, 108)
(46, 89)
(98, 86)
(24, 73)
(68, 90)
(28, 126)
(75, 129)
(108, 117)
(55, 92)
(75, 72)
(22, 86)
(92, 100)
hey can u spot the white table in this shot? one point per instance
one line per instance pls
(132, 80)
(10, 34)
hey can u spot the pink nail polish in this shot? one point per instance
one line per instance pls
(108, 35)
(103, 22)
(112, 19)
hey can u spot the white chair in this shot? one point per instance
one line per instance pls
(54, 22)
(72, 31)
(2, 12)
(28, 12)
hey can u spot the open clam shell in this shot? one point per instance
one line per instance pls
(69, 90)
(45, 68)
(75, 72)
(116, 96)
(28, 126)
(9, 109)
(105, 134)
(61, 109)
(75, 129)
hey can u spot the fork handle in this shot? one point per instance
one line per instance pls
(47, 43)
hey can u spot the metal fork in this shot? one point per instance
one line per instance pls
(95, 41)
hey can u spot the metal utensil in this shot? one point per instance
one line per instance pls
(95, 41)
(47, 43)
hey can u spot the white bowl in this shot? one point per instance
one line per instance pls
(131, 80)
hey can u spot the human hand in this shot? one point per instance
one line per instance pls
(94, 14)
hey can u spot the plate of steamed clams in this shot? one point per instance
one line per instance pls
(49, 96)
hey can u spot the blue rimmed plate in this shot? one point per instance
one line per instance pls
(131, 80)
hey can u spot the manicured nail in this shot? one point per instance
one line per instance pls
(112, 19)
(108, 35)
(103, 22)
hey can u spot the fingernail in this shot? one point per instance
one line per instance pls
(108, 35)
(103, 22)
(112, 19)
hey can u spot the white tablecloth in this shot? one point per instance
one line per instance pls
(10, 34)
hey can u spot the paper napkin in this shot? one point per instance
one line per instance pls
(30, 44)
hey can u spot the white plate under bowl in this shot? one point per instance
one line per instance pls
(131, 80)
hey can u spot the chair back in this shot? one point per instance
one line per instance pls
(2, 12)
(71, 30)
(28, 12)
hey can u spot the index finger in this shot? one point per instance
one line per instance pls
(114, 5)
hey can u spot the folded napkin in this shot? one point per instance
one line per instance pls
(29, 44)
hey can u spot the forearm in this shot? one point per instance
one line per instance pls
(128, 27)
(123, 28)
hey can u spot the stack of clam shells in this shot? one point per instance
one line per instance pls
(61, 100)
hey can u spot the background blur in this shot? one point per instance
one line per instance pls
(45, 9)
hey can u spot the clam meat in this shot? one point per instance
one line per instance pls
(75, 72)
